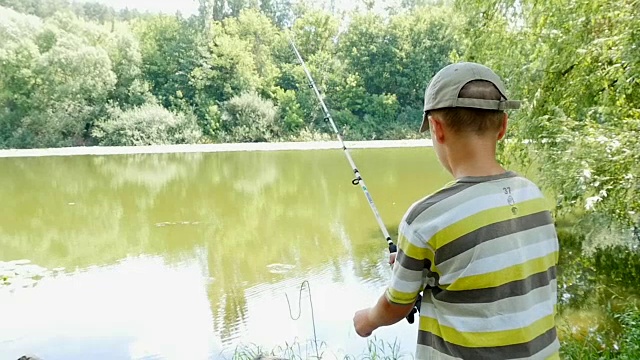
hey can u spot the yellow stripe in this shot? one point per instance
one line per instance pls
(506, 275)
(488, 339)
(484, 218)
(412, 251)
(402, 298)
(555, 356)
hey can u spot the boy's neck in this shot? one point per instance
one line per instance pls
(465, 170)
(474, 158)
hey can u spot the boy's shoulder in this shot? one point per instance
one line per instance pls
(461, 192)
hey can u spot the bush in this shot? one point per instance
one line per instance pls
(149, 124)
(249, 118)
(62, 124)
(289, 111)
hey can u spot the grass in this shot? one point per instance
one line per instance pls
(600, 344)
(623, 344)
(618, 342)
(377, 349)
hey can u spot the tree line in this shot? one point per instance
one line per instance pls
(77, 74)
(83, 74)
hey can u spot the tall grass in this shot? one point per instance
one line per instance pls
(377, 349)
(623, 344)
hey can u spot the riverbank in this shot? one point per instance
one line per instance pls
(206, 148)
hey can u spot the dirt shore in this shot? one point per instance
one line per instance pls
(166, 149)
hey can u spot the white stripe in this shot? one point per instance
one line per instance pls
(503, 261)
(502, 322)
(510, 305)
(496, 246)
(405, 286)
(414, 240)
(428, 353)
(517, 241)
(424, 225)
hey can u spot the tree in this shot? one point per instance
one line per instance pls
(571, 64)
(55, 82)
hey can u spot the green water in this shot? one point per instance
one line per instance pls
(186, 256)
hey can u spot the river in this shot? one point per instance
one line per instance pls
(192, 254)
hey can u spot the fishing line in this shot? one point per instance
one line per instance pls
(358, 180)
(313, 320)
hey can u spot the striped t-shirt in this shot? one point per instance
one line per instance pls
(484, 249)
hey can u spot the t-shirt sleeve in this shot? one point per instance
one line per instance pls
(413, 259)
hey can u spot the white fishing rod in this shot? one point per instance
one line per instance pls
(358, 180)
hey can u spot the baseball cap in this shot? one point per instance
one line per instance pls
(445, 86)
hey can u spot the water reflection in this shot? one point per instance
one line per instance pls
(133, 309)
(228, 231)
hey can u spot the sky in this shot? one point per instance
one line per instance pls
(190, 7)
(186, 7)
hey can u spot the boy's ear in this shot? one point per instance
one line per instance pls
(503, 127)
(437, 129)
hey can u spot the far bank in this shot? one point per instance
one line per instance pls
(205, 148)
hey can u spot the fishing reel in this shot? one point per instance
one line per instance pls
(416, 310)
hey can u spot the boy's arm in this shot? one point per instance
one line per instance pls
(399, 298)
(384, 313)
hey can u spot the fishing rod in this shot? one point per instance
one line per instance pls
(358, 180)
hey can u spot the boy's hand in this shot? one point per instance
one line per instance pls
(362, 323)
(392, 258)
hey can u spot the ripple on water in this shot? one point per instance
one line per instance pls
(177, 223)
(280, 268)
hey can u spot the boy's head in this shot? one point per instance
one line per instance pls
(467, 98)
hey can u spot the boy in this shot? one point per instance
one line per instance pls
(483, 248)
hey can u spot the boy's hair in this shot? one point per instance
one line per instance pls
(478, 121)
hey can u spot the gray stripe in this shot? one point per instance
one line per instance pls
(435, 198)
(510, 305)
(479, 179)
(410, 263)
(523, 350)
(490, 232)
(540, 238)
(514, 288)
(544, 354)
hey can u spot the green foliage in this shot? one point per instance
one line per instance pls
(315, 32)
(261, 37)
(598, 299)
(399, 55)
(289, 111)
(621, 263)
(57, 81)
(630, 341)
(377, 349)
(170, 51)
(146, 125)
(624, 344)
(91, 58)
(249, 118)
(572, 63)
